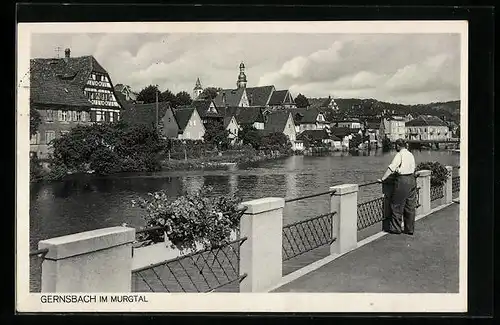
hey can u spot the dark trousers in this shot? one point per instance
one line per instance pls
(400, 204)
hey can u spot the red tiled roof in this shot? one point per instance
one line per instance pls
(62, 81)
(426, 121)
(276, 121)
(259, 96)
(304, 115)
(183, 115)
(228, 97)
(278, 97)
(144, 114)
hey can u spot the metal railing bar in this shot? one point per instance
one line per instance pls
(368, 184)
(308, 219)
(175, 277)
(189, 276)
(220, 264)
(159, 279)
(42, 251)
(144, 280)
(189, 255)
(316, 238)
(309, 196)
(370, 201)
(200, 271)
(240, 278)
(211, 270)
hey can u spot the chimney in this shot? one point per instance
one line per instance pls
(224, 99)
(67, 54)
(250, 100)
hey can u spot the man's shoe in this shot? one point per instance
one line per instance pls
(393, 232)
(408, 233)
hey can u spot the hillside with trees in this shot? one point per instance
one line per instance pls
(372, 107)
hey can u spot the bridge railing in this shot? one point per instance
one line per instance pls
(105, 260)
(307, 234)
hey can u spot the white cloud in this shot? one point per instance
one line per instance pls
(391, 66)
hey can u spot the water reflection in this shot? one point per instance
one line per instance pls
(88, 202)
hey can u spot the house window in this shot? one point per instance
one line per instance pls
(194, 123)
(35, 138)
(78, 116)
(64, 116)
(50, 115)
(73, 116)
(111, 116)
(49, 136)
(99, 116)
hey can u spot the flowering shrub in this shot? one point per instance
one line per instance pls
(192, 219)
(439, 172)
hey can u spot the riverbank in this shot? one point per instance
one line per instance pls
(222, 161)
(41, 171)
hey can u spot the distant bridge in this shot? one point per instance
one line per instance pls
(417, 141)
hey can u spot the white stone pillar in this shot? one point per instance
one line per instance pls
(344, 226)
(92, 261)
(448, 186)
(261, 253)
(424, 183)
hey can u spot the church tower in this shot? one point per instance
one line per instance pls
(198, 89)
(242, 78)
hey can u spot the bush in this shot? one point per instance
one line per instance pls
(107, 148)
(190, 219)
(439, 172)
(386, 144)
(276, 141)
(36, 170)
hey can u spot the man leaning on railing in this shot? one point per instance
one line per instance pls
(401, 176)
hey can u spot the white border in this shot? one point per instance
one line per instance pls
(234, 302)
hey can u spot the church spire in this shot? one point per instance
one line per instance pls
(198, 89)
(242, 78)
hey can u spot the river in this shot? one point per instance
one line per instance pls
(92, 202)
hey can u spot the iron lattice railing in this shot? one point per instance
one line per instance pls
(455, 184)
(305, 235)
(370, 212)
(437, 192)
(203, 271)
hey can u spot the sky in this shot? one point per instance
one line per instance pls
(398, 68)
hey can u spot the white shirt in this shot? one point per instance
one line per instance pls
(403, 162)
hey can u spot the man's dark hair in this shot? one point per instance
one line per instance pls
(401, 143)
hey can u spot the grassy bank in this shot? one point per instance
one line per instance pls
(221, 161)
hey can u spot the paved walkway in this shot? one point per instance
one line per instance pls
(424, 263)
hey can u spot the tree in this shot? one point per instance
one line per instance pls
(386, 144)
(276, 141)
(108, 149)
(169, 96)
(148, 94)
(183, 98)
(301, 101)
(355, 141)
(216, 135)
(35, 120)
(249, 135)
(209, 93)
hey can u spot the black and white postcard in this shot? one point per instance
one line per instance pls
(242, 166)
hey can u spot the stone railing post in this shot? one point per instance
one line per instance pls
(344, 224)
(424, 183)
(448, 186)
(261, 253)
(92, 261)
